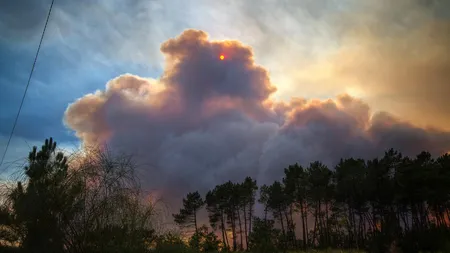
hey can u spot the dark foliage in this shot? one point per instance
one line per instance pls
(392, 202)
(380, 205)
(94, 205)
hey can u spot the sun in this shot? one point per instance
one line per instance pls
(222, 57)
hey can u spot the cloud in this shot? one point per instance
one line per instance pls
(395, 54)
(409, 73)
(32, 17)
(206, 121)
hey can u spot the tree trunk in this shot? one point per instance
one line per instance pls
(240, 228)
(320, 223)
(250, 217)
(224, 231)
(302, 213)
(281, 221)
(306, 222)
(315, 227)
(290, 226)
(245, 227)
(327, 224)
(195, 221)
(355, 230)
(350, 227)
(280, 214)
(294, 237)
(233, 228)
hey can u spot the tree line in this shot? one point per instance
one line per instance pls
(377, 204)
(92, 202)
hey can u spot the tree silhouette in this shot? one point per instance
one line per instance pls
(320, 196)
(391, 201)
(45, 204)
(216, 213)
(276, 200)
(296, 186)
(247, 196)
(187, 217)
(94, 204)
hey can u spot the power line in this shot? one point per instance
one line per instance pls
(28, 84)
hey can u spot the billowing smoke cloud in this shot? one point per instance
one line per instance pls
(206, 121)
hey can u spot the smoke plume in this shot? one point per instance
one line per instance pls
(206, 121)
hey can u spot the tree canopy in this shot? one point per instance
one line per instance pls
(391, 201)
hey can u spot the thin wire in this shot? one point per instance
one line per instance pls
(28, 84)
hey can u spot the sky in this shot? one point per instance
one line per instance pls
(302, 80)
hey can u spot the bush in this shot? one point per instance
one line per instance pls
(264, 238)
(171, 243)
(431, 240)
